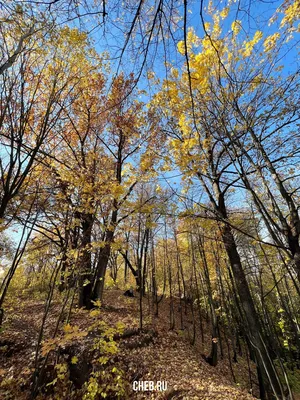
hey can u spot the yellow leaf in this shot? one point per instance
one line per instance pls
(224, 12)
(74, 360)
(68, 328)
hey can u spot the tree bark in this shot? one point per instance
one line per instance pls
(266, 367)
(85, 262)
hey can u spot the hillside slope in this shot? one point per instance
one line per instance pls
(158, 354)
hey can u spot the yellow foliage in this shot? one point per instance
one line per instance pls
(224, 13)
(181, 47)
(292, 14)
(236, 26)
(248, 46)
(270, 42)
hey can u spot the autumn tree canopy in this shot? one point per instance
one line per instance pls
(151, 147)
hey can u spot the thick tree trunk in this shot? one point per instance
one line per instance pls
(98, 284)
(67, 276)
(85, 262)
(97, 287)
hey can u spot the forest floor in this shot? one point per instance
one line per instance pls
(167, 356)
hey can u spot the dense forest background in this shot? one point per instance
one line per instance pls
(150, 147)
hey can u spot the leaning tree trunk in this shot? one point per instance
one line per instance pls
(134, 271)
(266, 367)
(270, 378)
(98, 285)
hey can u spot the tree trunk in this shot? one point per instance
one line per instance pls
(98, 287)
(213, 358)
(134, 271)
(85, 262)
(270, 378)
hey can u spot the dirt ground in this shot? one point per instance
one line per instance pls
(167, 356)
